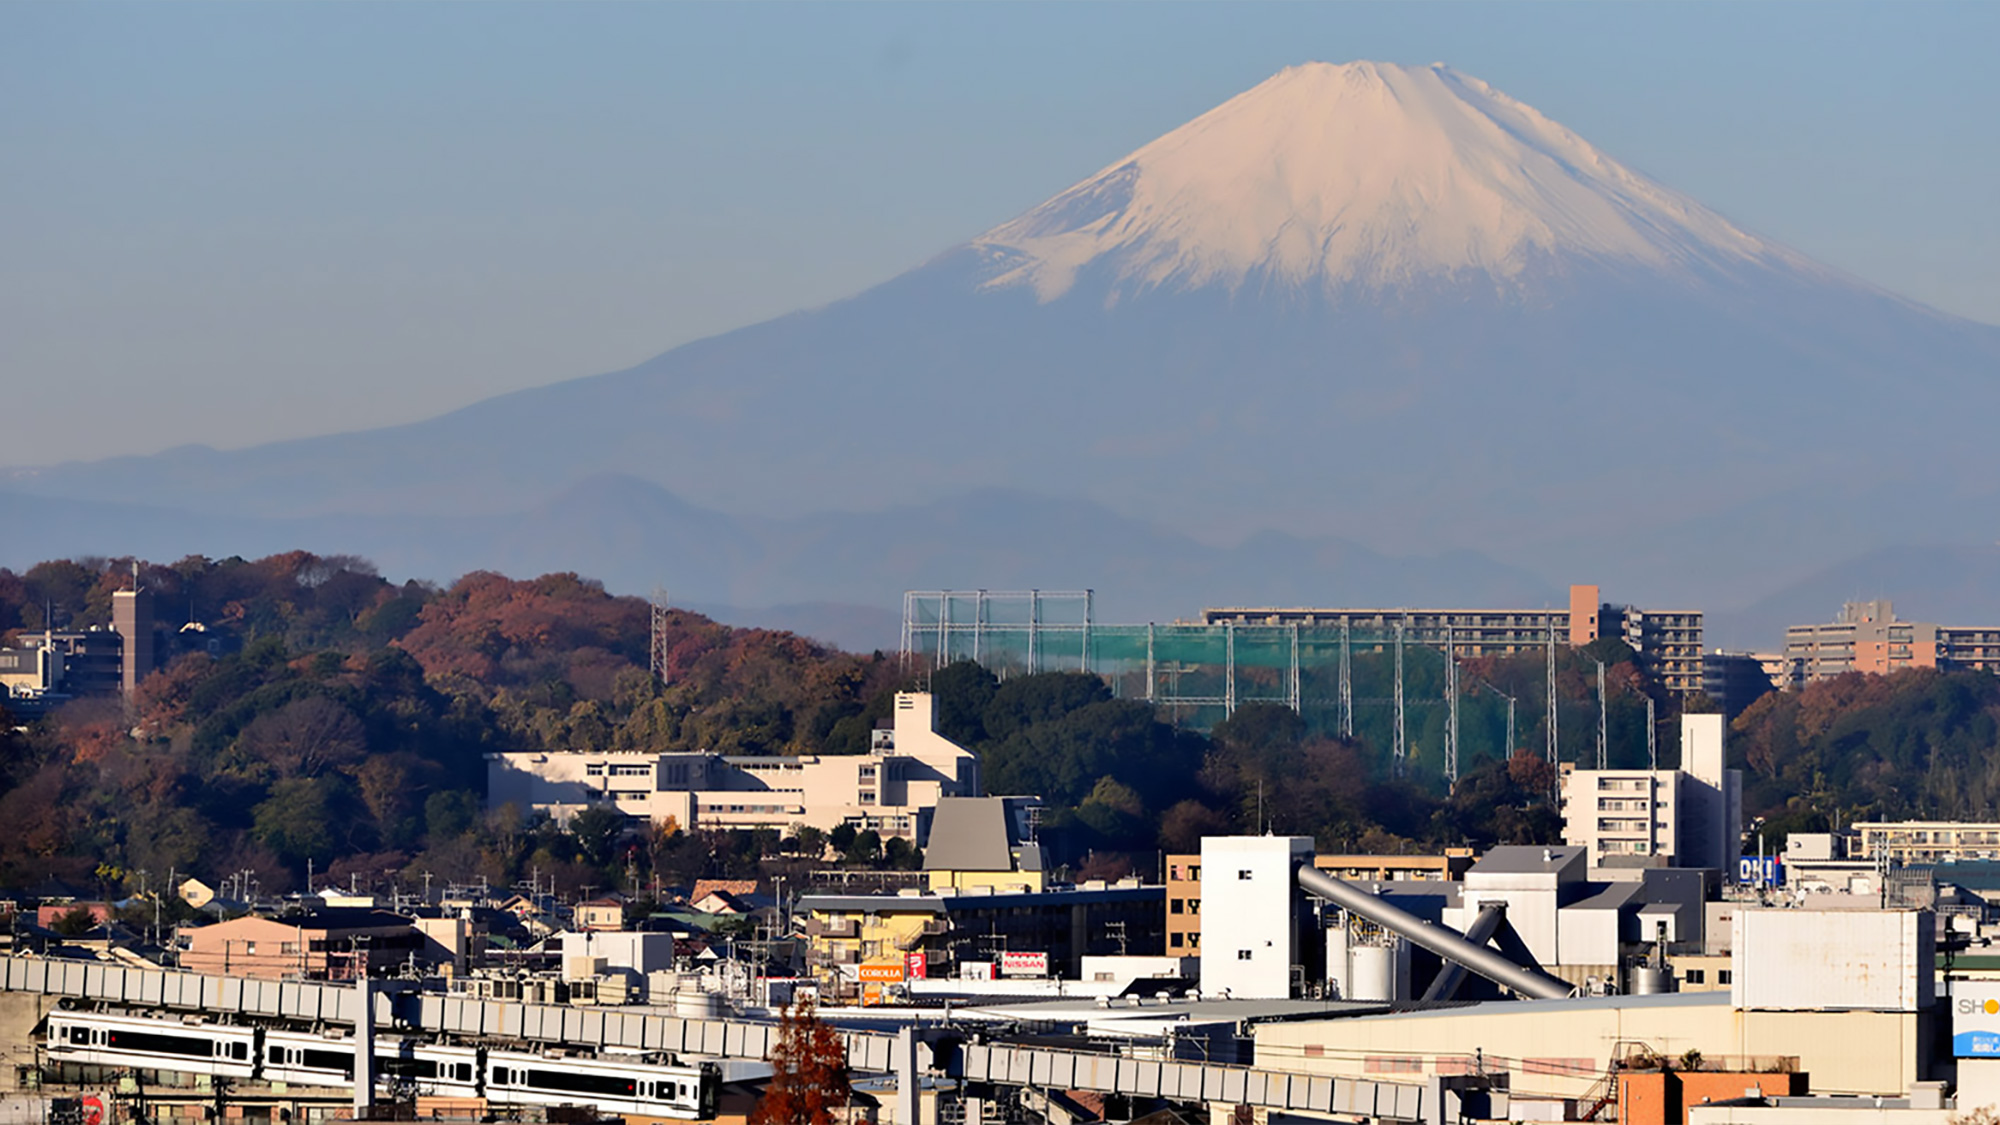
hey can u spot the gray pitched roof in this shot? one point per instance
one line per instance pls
(970, 834)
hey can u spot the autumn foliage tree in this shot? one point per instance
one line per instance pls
(808, 1072)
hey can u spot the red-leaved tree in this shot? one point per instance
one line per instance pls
(808, 1072)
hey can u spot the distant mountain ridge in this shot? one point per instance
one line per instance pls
(837, 577)
(1364, 303)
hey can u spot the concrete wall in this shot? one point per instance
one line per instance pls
(1562, 1048)
(1812, 959)
(20, 1012)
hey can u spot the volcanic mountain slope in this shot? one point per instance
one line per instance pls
(1369, 176)
(1384, 303)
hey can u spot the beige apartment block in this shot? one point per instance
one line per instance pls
(1668, 642)
(1869, 637)
(891, 789)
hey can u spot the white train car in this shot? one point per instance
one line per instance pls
(613, 1085)
(324, 1060)
(154, 1044)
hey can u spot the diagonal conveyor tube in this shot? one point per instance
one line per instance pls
(1441, 940)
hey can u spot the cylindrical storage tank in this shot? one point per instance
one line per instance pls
(1650, 981)
(1372, 972)
(694, 1004)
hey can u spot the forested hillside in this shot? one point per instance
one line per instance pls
(1914, 744)
(344, 722)
(348, 728)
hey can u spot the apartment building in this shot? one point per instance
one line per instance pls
(1668, 642)
(1868, 637)
(1689, 817)
(985, 842)
(1735, 680)
(327, 944)
(1183, 904)
(1908, 842)
(853, 938)
(891, 789)
(49, 668)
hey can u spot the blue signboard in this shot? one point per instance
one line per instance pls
(1768, 871)
(1975, 1019)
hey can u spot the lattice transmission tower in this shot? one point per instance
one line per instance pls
(657, 655)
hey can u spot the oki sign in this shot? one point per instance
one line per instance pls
(1024, 964)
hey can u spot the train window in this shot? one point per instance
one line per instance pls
(342, 1061)
(604, 1085)
(503, 1076)
(157, 1043)
(80, 1036)
(239, 1051)
(462, 1072)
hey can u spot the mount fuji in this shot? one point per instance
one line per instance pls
(1362, 303)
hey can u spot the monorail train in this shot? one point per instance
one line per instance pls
(616, 1086)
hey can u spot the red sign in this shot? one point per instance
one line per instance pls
(917, 965)
(1024, 964)
(93, 1110)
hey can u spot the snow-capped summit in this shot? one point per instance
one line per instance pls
(1356, 304)
(1368, 173)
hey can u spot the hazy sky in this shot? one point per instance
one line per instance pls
(233, 223)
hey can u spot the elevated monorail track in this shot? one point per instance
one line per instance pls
(938, 1052)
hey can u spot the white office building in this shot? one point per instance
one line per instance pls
(891, 789)
(1250, 914)
(1689, 817)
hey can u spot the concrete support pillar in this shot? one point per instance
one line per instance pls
(909, 1095)
(364, 1049)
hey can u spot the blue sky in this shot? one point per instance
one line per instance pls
(234, 223)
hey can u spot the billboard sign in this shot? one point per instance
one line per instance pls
(1761, 871)
(916, 964)
(1975, 1019)
(890, 973)
(1024, 964)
